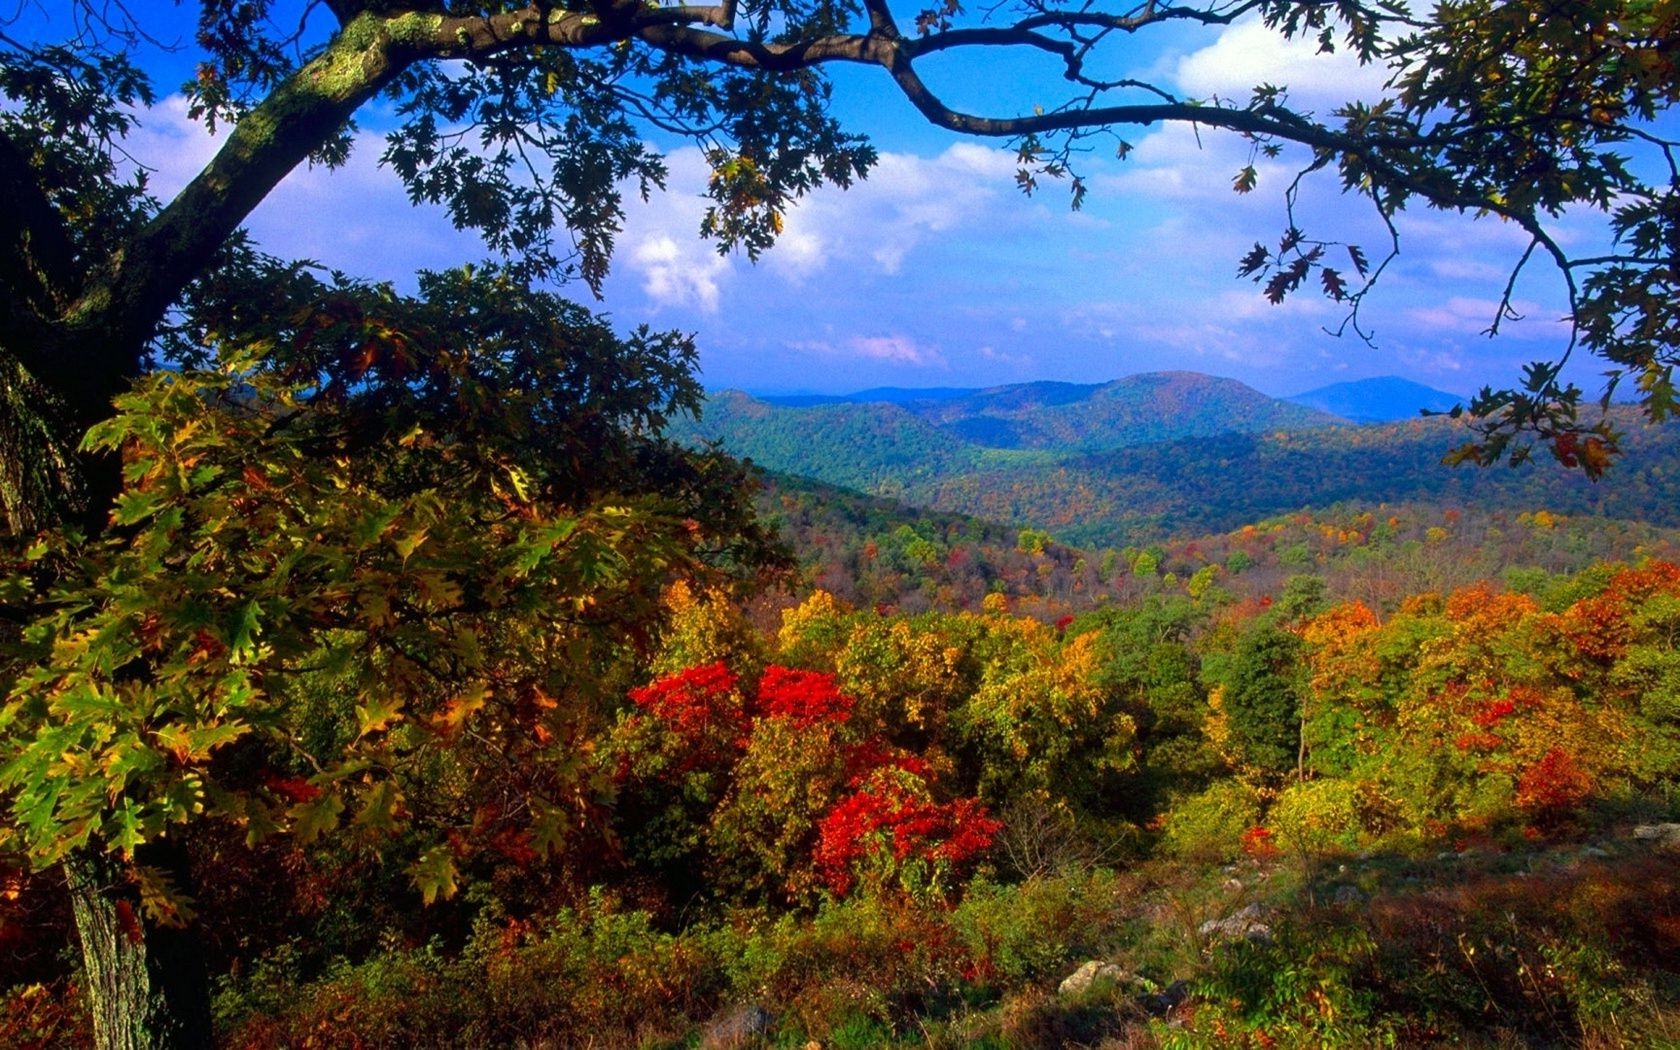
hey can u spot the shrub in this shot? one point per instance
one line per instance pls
(1317, 817)
(1210, 826)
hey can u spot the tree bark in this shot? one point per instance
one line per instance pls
(146, 985)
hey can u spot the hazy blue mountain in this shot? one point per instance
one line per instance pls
(1385, 399)
(1058, 417)
(1136, 410)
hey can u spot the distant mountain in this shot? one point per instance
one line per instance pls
(1079, 462)
(1147, 493)
(782, 432)
(1136, 410)
(874, 447)
(1386, 399)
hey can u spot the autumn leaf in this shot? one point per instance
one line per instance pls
(1334, 287)
(434, 874)
(311, 819)
(377, 713)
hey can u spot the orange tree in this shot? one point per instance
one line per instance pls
(374, 568)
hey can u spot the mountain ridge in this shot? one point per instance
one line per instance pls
(1381, 399)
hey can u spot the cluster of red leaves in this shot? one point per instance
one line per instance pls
(694, 702)
(887, 810)
(1259, 843)
(1599, 627)
(1554, 785)
(887, 815)
(806, 697)
(866, 757)
(1490, 713)
(292, 789)
(1477, 741)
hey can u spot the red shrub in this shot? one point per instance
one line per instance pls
(694, 701)
(1258, 842)
(1554, 785)
(807, 697)
(890, 817)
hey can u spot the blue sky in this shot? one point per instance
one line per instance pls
(937, 272)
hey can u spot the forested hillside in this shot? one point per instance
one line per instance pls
(879, 553)
(1177, 821)
(892, 442)
(1146, 493)
(1136, 410)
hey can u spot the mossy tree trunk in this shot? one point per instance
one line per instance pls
(146, 985)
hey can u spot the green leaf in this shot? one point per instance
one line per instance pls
(245, 628)
(124, 828)
(379, 807)
(408, 543)
(434, 874)
(133, 506)
(320, 814)
(377, 713)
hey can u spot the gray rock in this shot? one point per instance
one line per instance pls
(1239, 924)
(1595, 853)
(1088, 975)
(736, 1026)
(1661, 836)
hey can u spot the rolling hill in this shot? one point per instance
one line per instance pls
(1386, 399)
(1136, 410)
(1157, 456)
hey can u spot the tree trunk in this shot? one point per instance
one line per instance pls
(146, 985)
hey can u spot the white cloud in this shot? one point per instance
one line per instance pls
(172, 147)
(896, 348)
(673, 276)
(1467, 315)
(660, 246)
(1249, 54)
(990, 353)
(905, 202)
(356, 218)
(886, 349)
(1432, 362)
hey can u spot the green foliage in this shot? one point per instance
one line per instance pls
(1210, 826)
(1317, 818)
(344, 573)
(1025, 933)
(1298, 988)
(1262, 701)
